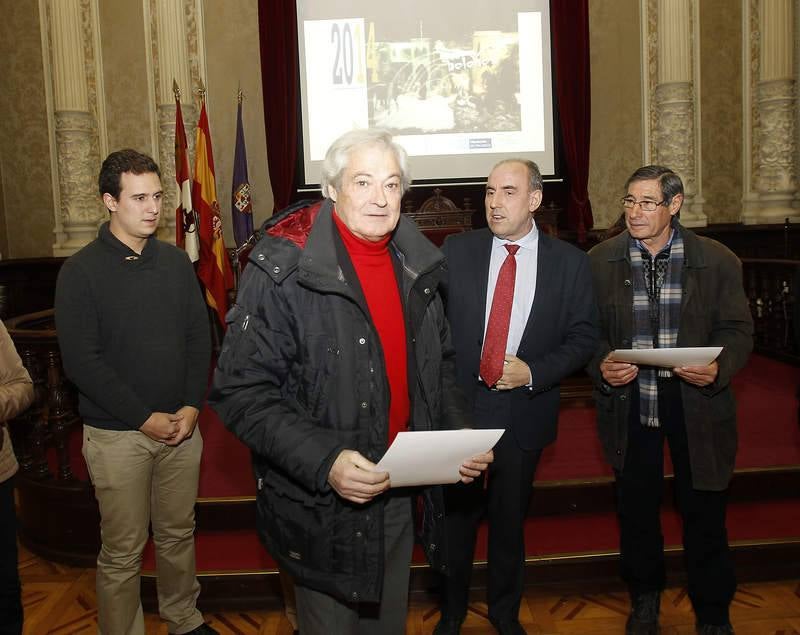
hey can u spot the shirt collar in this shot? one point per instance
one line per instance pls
(528, 241)
(664, 250)
(106, 236)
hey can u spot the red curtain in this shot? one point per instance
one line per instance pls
(277, 25)
(570, 28)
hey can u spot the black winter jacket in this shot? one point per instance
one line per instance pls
(301, 378)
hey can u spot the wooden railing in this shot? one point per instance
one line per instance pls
(772, 290)
(58, 513)
(48, 422)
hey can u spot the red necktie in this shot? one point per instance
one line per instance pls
(494, 346)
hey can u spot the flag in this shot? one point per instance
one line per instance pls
(185, 221)
(242, 208)
(214, 269)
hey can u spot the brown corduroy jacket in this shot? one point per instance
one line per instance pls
(16, 394)
(714, 312)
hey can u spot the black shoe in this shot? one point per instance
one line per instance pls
(510, 628)
(715, 629)
(203, 629)
(448, 626)
(643, 619)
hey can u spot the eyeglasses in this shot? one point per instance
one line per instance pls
(646, 206)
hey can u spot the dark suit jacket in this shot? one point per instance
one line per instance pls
(559, 338)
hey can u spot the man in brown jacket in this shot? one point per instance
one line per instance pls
(16, 394)
(657, 285)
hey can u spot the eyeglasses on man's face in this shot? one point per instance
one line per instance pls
(628, 202)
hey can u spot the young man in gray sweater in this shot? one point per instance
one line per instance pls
(134, 337)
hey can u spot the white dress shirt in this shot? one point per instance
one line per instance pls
(524, 284)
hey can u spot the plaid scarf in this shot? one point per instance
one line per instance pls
(656, 313)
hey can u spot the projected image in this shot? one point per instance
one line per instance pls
(459, 84)
(427, 86)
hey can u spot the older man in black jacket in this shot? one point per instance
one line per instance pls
(658, 285)
(338, 341)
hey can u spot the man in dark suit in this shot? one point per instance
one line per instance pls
(522, 316)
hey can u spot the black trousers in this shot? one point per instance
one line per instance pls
(321, 614)
(504, 498)
(640, 486)
(10, 600)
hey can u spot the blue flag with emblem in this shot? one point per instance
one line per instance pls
(242, 208)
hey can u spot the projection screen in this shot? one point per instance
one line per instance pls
(461, 84)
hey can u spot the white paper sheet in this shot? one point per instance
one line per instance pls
(433, 457)
(667, 357)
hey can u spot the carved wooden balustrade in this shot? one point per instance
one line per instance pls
(772, 290)
(58, 513)
(439, 216)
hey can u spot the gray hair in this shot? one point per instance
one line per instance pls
(338, 155)
(671, 184)
(534, 174)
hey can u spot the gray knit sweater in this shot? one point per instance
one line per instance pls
(133, 331)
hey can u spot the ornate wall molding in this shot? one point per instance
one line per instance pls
(796, 203)
(771, 111)
(76, 180)
(94, 76)
(72, 36)
(776, 152)
(671, 46)
(674, 134)
(650, 73)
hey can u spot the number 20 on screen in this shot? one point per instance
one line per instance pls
(347, 53)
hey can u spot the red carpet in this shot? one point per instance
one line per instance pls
(769, 430)
(241, 551)
(769, 435)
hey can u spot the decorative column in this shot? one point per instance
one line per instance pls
(170, 54)
(676, 138)
(796, 65)
(80, 210)
(774, 170)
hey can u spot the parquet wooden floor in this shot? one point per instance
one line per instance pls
(61, 600)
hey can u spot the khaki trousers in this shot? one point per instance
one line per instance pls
(139, 481)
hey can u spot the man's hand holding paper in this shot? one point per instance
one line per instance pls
(666, 357)
(355, 478)
(696, 366)
(470, 470)
(617, 373)
(698, 375)
(438, 457)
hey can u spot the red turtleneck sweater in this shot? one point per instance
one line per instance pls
(375, 271)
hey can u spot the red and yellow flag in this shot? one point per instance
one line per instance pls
(214, 269)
